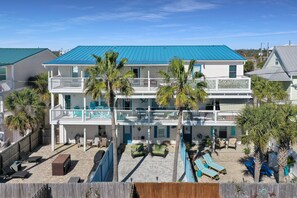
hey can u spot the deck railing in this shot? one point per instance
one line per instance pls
(151, 84)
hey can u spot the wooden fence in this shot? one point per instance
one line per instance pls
(12, 153)
(154, 190)
(178, 190)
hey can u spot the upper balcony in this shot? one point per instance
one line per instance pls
(140, 116)
(216, 87)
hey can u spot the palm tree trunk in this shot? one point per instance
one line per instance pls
(257, 168)
(282, 163)
(114, 139)
(177, 140)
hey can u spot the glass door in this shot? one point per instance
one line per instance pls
(67, 101)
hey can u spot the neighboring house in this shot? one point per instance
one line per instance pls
(16, 66)
(138, 117)
(281, 66)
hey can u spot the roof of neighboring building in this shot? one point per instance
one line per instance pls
(10, 56)
(149, 54)
(271, 73)
(288, 58)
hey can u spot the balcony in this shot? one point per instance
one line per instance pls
(216, 87)
(141, 117)
(209, 117)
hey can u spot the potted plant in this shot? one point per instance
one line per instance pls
(247, 151)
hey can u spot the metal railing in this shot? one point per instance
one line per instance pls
(228, 84)
(60, 83)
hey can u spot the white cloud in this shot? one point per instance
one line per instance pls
(188, 6)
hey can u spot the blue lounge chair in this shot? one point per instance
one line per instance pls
(211, 173)
(214, 165)
(250, 165)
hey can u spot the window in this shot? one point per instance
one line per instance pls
(276, 61)
(196, 68)
(2, 73)
(232, 71)
(161, 133)
(75, 71)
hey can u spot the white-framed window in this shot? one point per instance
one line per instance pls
(161, 133)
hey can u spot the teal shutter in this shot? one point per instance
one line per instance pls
(168, 131)
(233, 131)
(155, 131)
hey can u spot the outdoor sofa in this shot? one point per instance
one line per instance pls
(138, 150)
(159, 150)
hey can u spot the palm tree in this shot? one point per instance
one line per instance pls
(40, 84)
(265, 90)
(258, 123)
(26, 111)
(285, 134)
(106, 79)
(187, 93)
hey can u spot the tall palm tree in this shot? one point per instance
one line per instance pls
(258, 123)
(186, 91)
(265, 90)
(107, 79)
(285, 133)
(26, 111)
(40, 84)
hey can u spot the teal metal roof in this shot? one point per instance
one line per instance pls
(149, 54)
(9, 56)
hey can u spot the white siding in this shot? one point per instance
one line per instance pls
(31, 66)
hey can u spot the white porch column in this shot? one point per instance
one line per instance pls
(81, 73)
(214, 110)
(148, 79)
(149, 120)
(84, 111)
(85, 139)
(52, 107)
(53, 137)
(52, 73)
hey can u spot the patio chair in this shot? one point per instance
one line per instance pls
(159, 150)
(220, 143)
(104, 142)
(232, 143)
(137, 150)
(219, 168)
(211, 173)
(81, 142)
(96, 142)
(26, 158)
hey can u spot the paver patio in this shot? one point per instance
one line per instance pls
(148, 168)
(231, 159)
(81, 164)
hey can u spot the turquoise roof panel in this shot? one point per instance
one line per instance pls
(149, 54)
(9, 56)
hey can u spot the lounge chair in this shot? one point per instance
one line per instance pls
(137, 150)
(10, 174)
(219, 168)
(96, 142)
(26, 158)
(211, 173)
(250, 165)
(159, 150)
(232, 143)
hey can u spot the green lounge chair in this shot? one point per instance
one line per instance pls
(137, 150)
(159, 150)
(214, 165)
(211, 173)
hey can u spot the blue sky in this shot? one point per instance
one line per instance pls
(65, 24)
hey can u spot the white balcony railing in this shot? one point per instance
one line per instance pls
(152, 84)
(150, 117)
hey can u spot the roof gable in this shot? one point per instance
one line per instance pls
(149, 54)
(288, 58)
(9, 56)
